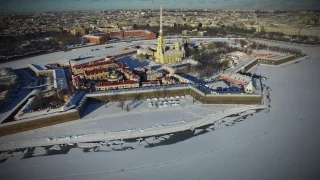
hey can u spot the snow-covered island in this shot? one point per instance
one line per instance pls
(185, 113)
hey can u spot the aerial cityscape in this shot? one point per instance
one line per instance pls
(148, 89)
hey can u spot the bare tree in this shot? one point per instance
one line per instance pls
(106, 101)
(158, 93)
(193, 100)
(127, 108)
(165, 92)
(211, 46)
(242, 43)
(115, 97)
(121, 104)
(138, 96)
(201, 74)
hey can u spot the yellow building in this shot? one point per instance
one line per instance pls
(284, 30)
(97, 74)
(153, 24)
(171, 56)
(81, 69)
(117, 85)
(78, 31)
(109, 27)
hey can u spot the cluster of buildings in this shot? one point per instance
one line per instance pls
(82, 22)
(290, 30)
(57, 75)
(194, 33)
(8, 80)
(246, 82)
(4, 98)
(101, 38)
(7, 77)
(106, 73)
(102, 26)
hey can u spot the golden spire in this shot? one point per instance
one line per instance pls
(160, 32)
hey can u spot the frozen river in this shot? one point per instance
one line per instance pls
(283, 143)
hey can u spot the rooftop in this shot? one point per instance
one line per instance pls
(151, 82)
(237, 76)
(117, 83)
(39, 67)
(172, 52)
(96, 71)
(91, 36)
(6, 72)
(60, 80)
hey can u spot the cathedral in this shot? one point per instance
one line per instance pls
(173, 55)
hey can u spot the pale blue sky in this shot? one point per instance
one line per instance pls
(70, 5)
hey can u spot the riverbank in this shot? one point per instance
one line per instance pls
(298, 44)
(125, 134)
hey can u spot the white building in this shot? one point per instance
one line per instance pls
(249, 88)
(58, 75)
(310, 32)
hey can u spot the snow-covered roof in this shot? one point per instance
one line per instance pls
(146, 31)
(172, 52)
(38, 67)
(91, 36)
(216, 84)
(236, 76)
(60, 80)
(76, 98)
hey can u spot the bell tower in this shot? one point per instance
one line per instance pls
(161, 44)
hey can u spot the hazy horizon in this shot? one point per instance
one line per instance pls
(8, 6)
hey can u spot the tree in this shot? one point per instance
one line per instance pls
(121, 104)
(134, 26)
(127, 108)
(106, 101)
(115, 97)
(194, 99)
(211, 46)
(242, 43)
(141, 57)
(201, 74)
(165, 92)
(253, 45)
(158, 93)
(138, 96)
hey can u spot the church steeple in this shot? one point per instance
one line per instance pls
(161, 32)
(177, 45)
(161, 44)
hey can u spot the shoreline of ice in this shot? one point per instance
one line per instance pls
(129, 134)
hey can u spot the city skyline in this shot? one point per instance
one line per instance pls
(77, 5)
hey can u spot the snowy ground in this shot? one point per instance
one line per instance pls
(87, 54)
(101, 121)
(22, 97)
(283, 143)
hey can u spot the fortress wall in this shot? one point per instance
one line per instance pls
(17, 127)
(197, 95)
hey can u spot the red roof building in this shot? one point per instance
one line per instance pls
(124, 84)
